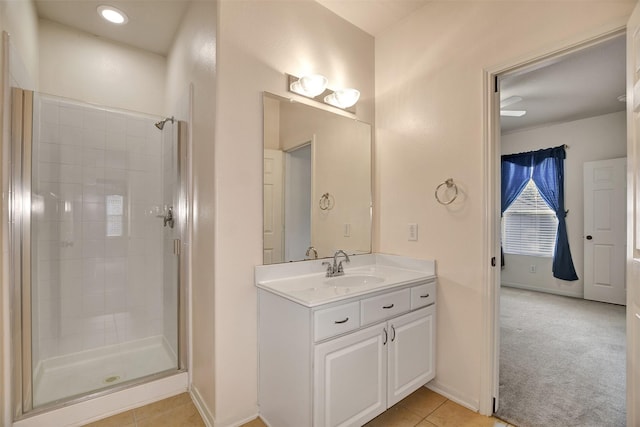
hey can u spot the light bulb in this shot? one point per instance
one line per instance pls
(343, 98)
(311, 85)
(112, 14)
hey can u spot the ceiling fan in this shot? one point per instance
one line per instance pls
(511, 113)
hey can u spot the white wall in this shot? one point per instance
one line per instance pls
(430, 127)
(258, 43)
(19, 19)
(596, 138)
(191, 68)
(80, 66)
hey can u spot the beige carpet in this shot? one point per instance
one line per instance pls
(562, 361)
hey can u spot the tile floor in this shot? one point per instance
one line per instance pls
(176, 411)
(423, 408)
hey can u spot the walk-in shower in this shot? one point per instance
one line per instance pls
(96, 266)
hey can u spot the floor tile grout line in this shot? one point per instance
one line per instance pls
(436, 408)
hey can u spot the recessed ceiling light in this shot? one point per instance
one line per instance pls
(112, 14)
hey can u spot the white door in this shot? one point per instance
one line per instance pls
(350, 377)
(411, 356)
(633, 219)
(273, 195)
(605, 230)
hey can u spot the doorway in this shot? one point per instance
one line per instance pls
(518, 90)
(297, 202)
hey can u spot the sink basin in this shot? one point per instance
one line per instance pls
(354, 280)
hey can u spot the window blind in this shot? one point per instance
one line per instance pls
(529, 226)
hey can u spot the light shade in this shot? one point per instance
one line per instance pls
(113, 15)
(311, 85)
(343, 98)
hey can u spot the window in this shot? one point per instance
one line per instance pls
(529, 226)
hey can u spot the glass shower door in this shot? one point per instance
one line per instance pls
(104, 266)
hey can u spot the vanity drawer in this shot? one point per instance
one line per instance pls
(336, 320)
(423, 295)
(384, 306)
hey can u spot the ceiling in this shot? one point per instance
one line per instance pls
(373, 16)
(152, 24)
(583, 84)
(579, 85)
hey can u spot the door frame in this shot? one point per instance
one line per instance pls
(491, 147)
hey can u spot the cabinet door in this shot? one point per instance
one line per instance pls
(411, 353)
(350, 376)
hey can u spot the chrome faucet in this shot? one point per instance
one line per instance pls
(312, 249)
(336, 268)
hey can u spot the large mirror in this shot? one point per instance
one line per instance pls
(317, 182)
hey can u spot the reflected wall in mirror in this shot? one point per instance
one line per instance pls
(317, 182)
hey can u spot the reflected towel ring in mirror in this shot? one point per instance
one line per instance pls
(326, 202)
(449, 184)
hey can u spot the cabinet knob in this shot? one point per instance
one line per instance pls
(589, 237)
(424, 296)
(393, 337)
(386, 307)
(341, 321)
(386, 336)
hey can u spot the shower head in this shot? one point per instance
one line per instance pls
(160, 124)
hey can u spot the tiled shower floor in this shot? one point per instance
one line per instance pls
(79, 373)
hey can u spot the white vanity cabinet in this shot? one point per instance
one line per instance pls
(344, 363)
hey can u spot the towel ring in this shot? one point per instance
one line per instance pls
(449, 183)
(326, 202)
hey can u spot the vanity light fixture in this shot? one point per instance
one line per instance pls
(113, 15)
(311, 85)
(343, 98)
(314, 86)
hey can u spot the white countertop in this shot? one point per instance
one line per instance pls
(305, 282)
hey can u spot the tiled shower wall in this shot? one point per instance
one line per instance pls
(97, 249)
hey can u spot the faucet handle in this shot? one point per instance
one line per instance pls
(340, 268)
(330, 270)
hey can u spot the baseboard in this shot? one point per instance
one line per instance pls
(242, 422)
(454, 395)
(543, 290)
(206, 415)
(202, 407)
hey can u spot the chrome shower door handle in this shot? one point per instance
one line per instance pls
(168, 217)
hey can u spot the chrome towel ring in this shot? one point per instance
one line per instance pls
(449, 184)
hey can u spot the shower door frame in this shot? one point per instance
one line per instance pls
(20, 284)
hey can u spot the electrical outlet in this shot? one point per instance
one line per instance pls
(413, 232)
(532, 269)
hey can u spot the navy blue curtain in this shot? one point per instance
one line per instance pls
(546, 168)
(548, 175)
(516, 172)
